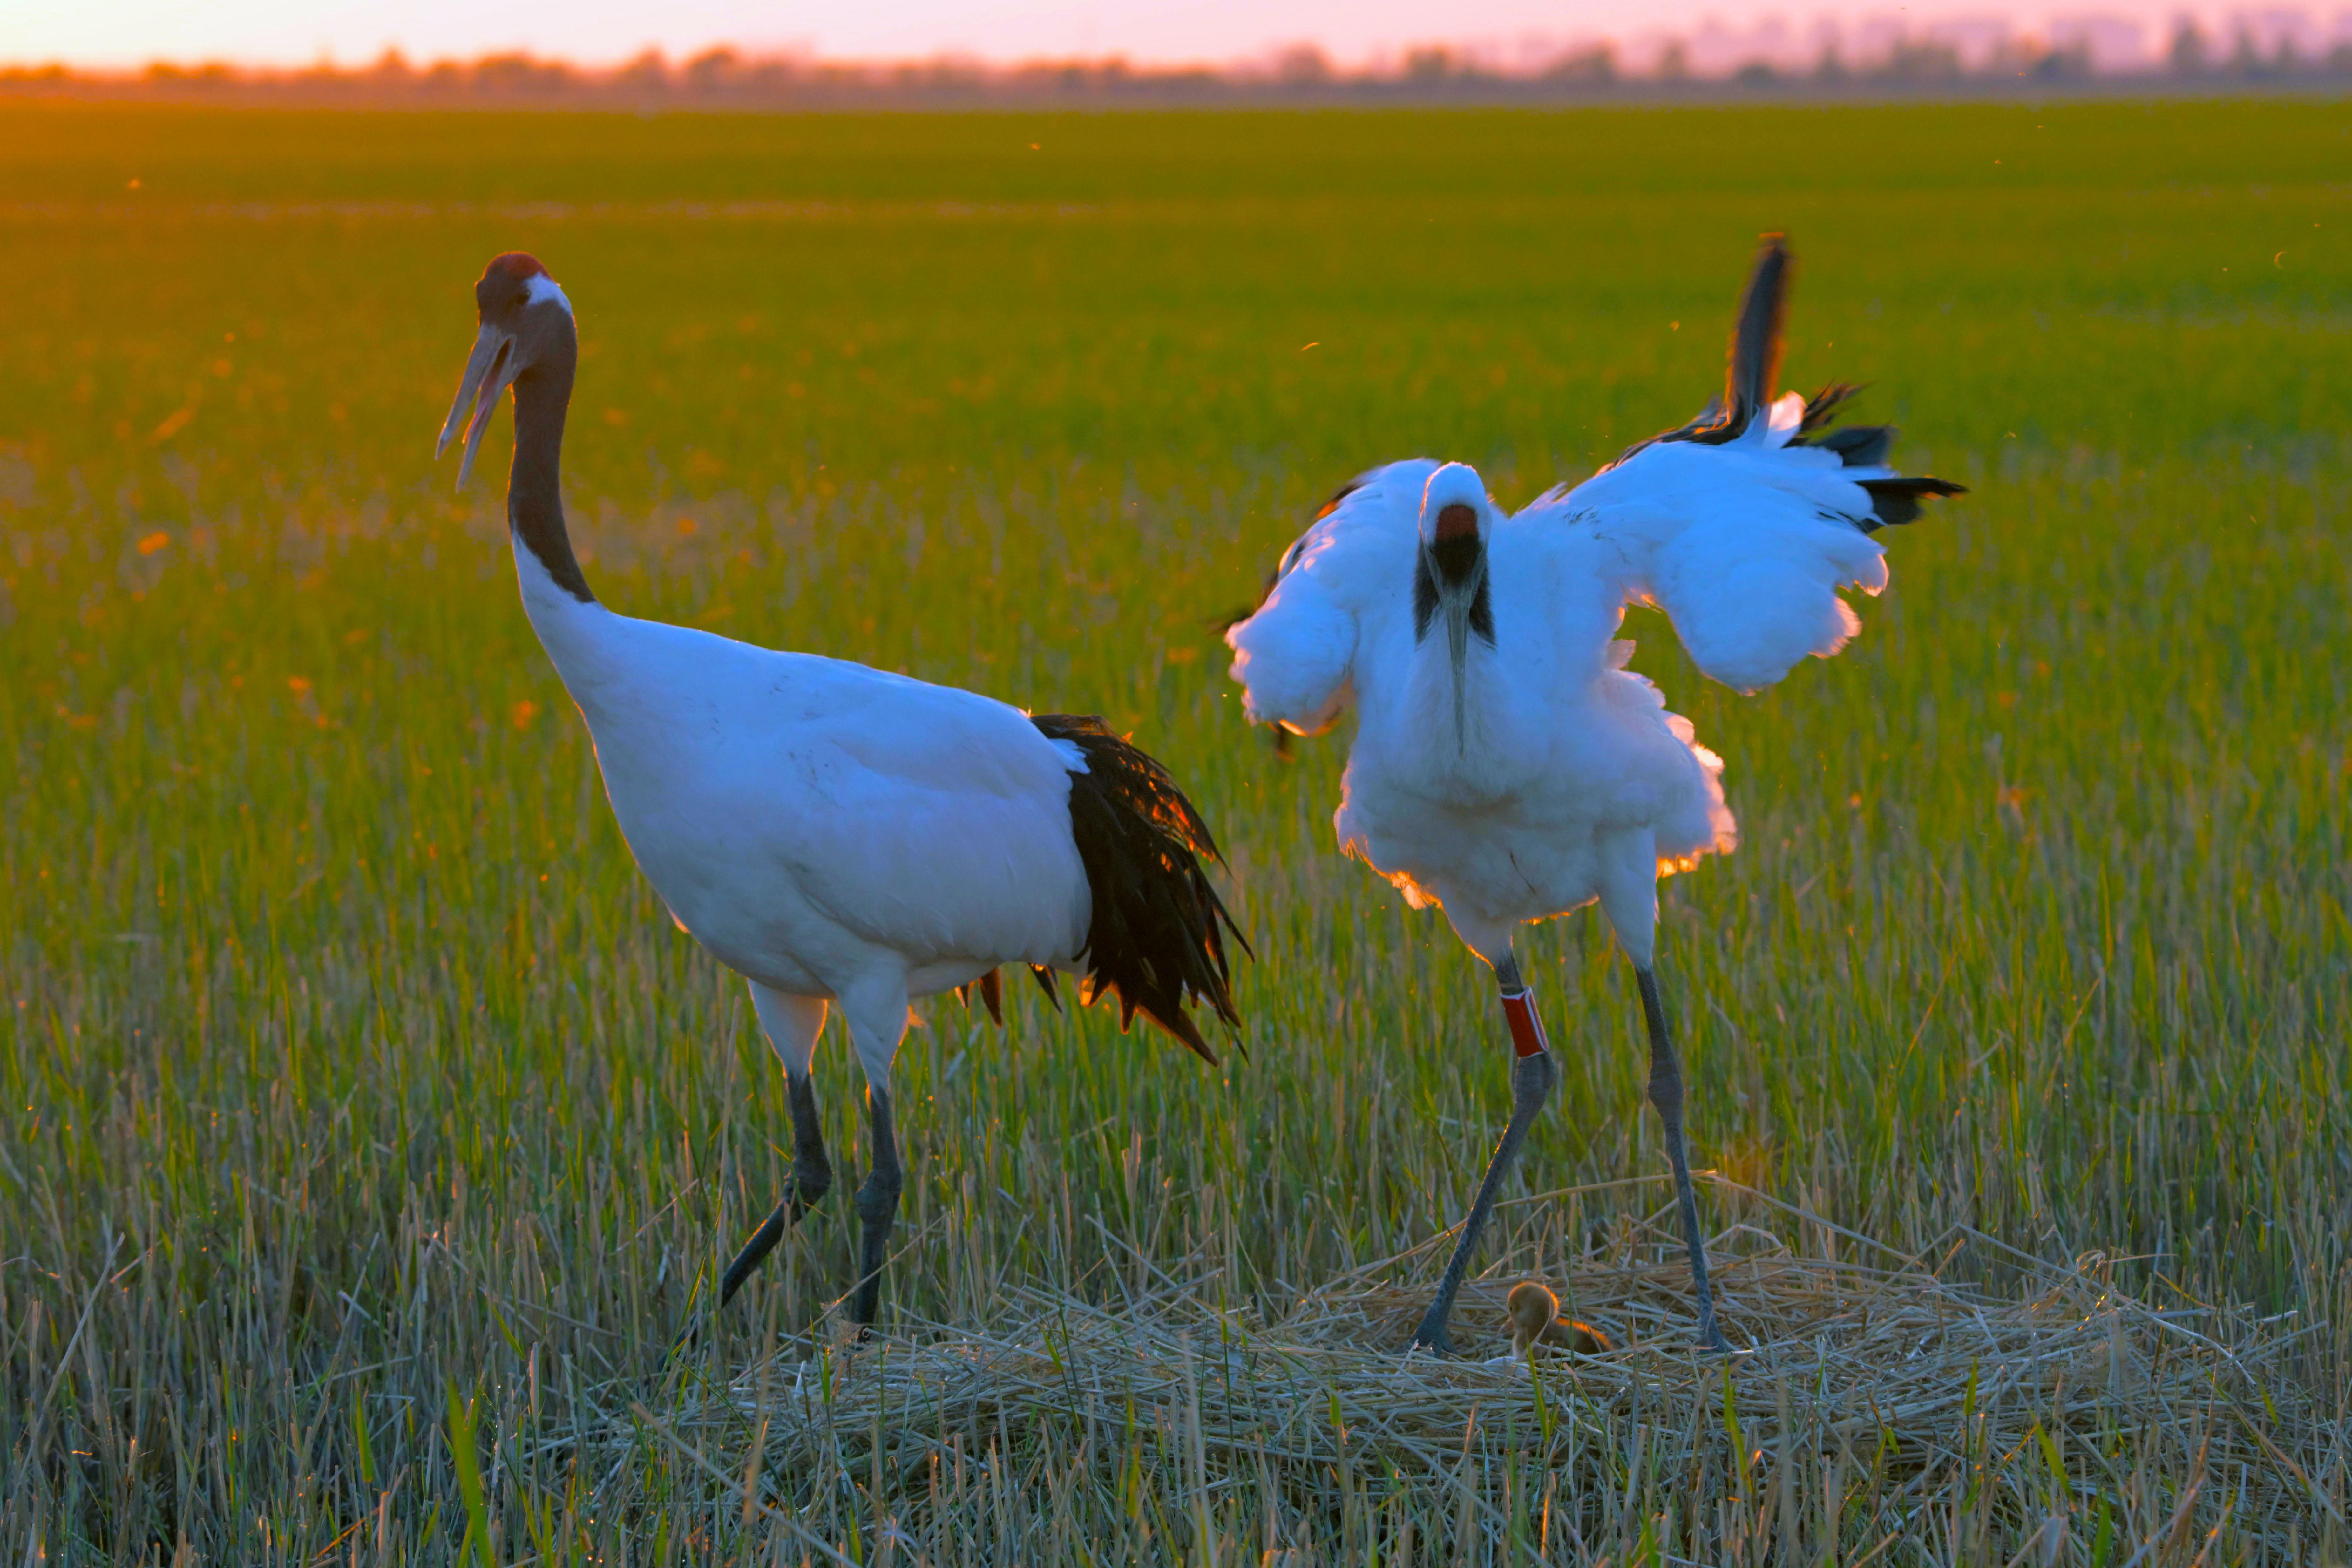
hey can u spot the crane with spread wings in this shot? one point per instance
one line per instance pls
(1506, 765)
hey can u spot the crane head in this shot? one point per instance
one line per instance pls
(525, 322)
(1449, 579)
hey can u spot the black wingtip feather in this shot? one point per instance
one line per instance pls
(1754, 367)
(1756, 341)
(1823, 407)
(1896, 501)
(1157, 933)
(1859, 445)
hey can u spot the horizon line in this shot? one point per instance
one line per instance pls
(2105, 42)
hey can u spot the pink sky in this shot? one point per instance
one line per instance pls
(296, 32)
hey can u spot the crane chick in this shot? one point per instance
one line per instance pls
(1533, 1313)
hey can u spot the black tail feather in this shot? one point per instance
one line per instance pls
(1157, 933)
(1896, 501)
(992, 993)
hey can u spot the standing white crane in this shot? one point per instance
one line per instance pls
(1506, 765)
(836, 834)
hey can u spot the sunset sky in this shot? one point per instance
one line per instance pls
(296, 32)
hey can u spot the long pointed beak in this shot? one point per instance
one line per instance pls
(489, 369)
(1456, 608)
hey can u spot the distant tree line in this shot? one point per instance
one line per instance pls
(725, 77)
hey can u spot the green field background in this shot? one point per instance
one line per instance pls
(345, 1053)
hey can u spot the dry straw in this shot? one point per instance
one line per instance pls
(1877, 1412)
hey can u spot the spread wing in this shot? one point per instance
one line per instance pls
(1294, 655)
(1743, 524)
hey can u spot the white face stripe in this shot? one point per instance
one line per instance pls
(542, 287)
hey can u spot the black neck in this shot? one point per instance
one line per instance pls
(535, 486)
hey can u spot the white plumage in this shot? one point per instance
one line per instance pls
(1505, 764)
(839, 836)
(1569, 756)
(826, 830)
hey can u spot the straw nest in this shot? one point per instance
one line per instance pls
(2020, 1415)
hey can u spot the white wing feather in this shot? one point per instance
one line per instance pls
(799, 814)
(1744, 545)
(1295, 657)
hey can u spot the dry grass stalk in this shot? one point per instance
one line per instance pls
(1884, 1409)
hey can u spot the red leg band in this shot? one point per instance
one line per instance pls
(1527, 1029)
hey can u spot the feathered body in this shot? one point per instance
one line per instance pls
(1506, 765)
(1568, 779)
(815, 823)
(838, 834)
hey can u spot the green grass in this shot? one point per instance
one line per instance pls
(350, 1069)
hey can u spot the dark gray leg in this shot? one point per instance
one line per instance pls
(812, 1179)
(878, 1206)
(1667, 1094)
(1532, 1076)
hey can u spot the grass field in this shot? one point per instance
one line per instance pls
(369, 1127)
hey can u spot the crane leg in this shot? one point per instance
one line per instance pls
(792, 1025)
(812, 1179)
(1532, 1076)
(877, 1207)
(1667, 1094)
